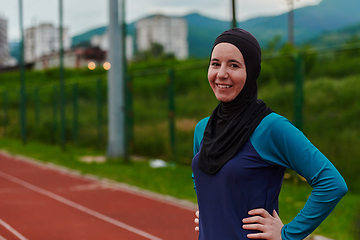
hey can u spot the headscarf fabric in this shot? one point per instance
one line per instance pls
(232, 123)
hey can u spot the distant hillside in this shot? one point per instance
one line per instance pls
(320, 25)
(15, 50)
(339, 37)
(310, 22)
(85, 37)
(201, 33)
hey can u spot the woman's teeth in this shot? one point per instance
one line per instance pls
(223, 86)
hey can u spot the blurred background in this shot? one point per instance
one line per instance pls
(55, 92)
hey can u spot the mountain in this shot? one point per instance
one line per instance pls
(338, 37)
(332, 17)
(202, 32)
(85, 37)
(329, 16)
(331, 21)
(15, 50)
(311, 21)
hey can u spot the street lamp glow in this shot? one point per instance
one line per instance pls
(91, 65)
(107, 65)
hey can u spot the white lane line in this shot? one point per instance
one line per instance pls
(13, 231)
(1, 238)
(180, 203)
(78, 206)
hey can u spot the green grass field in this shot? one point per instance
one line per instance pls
(331, 113)
(176, 181)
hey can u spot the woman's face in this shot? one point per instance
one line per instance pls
(227, 72)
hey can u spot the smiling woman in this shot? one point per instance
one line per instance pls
(242, 150)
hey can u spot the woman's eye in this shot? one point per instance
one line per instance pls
(234, 65)
(215, 64)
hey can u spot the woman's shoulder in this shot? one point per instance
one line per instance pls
(199, 130)
(274, 122)
(201, 125)
(272, 127)
(273, 118)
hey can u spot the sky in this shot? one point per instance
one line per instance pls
(80, 16)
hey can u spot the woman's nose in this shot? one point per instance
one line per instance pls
(222, 72)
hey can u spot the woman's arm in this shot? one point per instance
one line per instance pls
(279, 142)
(198, 135)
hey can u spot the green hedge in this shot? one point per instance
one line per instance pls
(331, 107)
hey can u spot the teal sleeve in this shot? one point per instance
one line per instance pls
(198, 136)
(279, 142)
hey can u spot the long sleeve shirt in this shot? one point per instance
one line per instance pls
(253, 179)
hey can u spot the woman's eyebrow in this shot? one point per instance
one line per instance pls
(236, 61)
(233, 60)
(230, 61)
(214, 59)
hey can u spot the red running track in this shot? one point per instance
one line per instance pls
(39, 201)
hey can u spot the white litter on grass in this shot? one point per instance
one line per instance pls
(158, 163)
(317, 237)
(90, 159)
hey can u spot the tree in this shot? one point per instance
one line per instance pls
(155, 52)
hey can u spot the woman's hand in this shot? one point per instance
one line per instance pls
(270, 226)
(197, 221)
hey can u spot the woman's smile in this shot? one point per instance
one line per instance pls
(222, 86)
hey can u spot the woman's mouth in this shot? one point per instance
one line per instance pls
(223, 86)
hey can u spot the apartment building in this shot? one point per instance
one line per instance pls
(102, 41)
(170, 32)
(4, 45)
(42, 40)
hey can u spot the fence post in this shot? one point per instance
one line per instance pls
(54, 113)
(36, 108)
(75, 112)
(6, 117)
(99, 110)
(172, 114)
(299, 90)
(129, 115)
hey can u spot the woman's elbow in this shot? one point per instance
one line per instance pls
(343, 189)
(340, 188)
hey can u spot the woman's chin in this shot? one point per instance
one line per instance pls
(224, 98)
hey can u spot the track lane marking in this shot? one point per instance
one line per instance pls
(180, 203)
(13, 231)
(77, 206)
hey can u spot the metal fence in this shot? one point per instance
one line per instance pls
(85, 106)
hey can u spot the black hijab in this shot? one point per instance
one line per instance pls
(232, 123)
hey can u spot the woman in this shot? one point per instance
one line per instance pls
(242, 150)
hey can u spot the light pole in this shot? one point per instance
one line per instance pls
(116, 82)
(233, 14)
(62, 85)
(291, 38)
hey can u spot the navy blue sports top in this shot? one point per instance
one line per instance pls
(253, 178)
